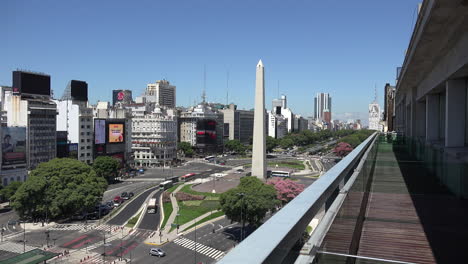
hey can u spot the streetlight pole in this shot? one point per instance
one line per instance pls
(195, 241)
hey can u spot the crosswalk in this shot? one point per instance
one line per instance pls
(78, 227)
(202, 249)
(15, 247)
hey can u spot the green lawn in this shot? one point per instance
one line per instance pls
(188, 212)
(188, 189)
(131, 223)
(293, 164)
(167, 207)
(212, 216)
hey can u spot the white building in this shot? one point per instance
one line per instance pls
(280, 109)
(154, 137)
(76, 118)
(374, 116)
(277, 125)
(161, 92)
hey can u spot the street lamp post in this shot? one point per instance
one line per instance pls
(242, 219)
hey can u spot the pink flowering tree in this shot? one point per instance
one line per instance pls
(286, 189)
(342, 149)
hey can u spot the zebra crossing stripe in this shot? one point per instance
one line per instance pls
(14, 247)
(200, 248)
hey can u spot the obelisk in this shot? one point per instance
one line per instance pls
(259, 136)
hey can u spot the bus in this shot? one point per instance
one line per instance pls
(152, 206)
(285, 174)
(165, 185)
(187, 177)
(209, 158)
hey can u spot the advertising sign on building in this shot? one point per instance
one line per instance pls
(73, 150)
(116, 133)
(13, 145)
(99, 131)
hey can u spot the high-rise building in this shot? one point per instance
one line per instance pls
(280, 109)
(322, 101)
(238, 124)
(374, 116)
(28, 105)
(162, 93)
(75, 118)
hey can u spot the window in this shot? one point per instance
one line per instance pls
(82, 140)
(442, 102)
(82, 126)
(88, 154)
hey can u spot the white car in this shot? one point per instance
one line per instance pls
(157, 252)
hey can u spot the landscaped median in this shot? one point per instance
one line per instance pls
(131, 223)
(293, 164)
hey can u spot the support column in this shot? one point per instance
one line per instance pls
(420, 119)
(455, 113)
(432, 117)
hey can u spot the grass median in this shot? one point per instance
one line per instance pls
(131, 223)
(167, 207)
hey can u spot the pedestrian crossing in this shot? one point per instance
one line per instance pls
(78, 227)
(15, 247)
(94, 259)
(202, 249)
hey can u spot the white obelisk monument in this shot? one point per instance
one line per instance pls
(259, 135)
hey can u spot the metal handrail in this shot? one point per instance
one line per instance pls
(272, 241)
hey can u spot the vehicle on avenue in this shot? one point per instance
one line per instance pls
(209, 158)
(110, 204)
(130, 195)
(124, 195)
(157, 252)
(187, 177)
(165, 185)
(285, 174)
(152, 206)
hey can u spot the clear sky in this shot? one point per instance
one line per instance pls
(345, 48)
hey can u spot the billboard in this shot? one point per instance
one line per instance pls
(99, 131)
(13, 145)
(31, 83)
(121, 96)
(116, 133)
(206, 132)
(79, 90)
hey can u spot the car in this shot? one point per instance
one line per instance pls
(110, 204)
(124, 196)
(130, 195)
(117, 201)
(157, 252)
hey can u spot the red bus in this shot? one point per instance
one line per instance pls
(187, 177)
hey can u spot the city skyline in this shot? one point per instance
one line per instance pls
(125, 49)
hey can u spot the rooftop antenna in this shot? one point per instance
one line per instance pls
(227, 87)
(204, 84)
(375, 93)
(278, 90)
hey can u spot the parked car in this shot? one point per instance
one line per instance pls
(130, 195)
(117, 201)
(110, 204)
(124, 195)
(157, 252)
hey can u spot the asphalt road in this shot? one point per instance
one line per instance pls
(132, 208)
(151, 221)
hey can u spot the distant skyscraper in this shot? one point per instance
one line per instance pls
(322, 102)
(162, 93)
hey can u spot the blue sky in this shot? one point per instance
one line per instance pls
(345, 48)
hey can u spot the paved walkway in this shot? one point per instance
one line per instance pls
(409, 217)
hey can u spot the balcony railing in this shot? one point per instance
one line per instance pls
(272, 242)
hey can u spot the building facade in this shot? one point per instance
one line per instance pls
(238, 124)
(162, 93)
(154, 138)
(322, 101)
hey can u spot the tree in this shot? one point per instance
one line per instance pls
(235, 145)
(7, 192)
(342, 149)
(106, 167)
(186, 148)
(286, 190)
(58, 188)
(249, 201)
(271, 143)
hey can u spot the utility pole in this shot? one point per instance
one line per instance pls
(24, 237)
(195, 241)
